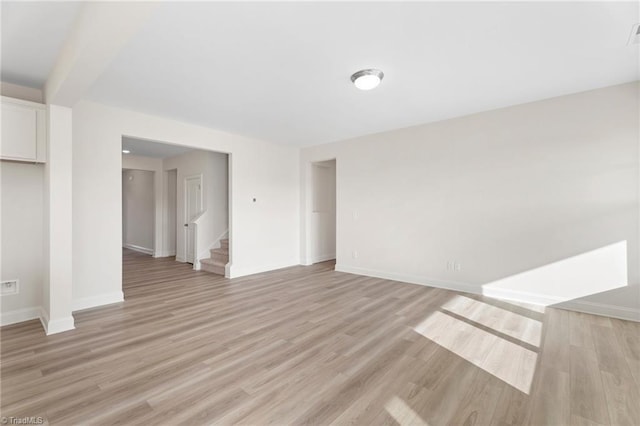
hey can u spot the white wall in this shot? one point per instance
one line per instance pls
(21, 191)
(323, 212)
(264, 234)
(498, 193)
(135, 162)
(138, 210)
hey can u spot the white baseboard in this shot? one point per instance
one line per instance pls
(19, 315)
(520, 296)
(140, 249)
(169, 253)
(619, 312)
(44, 319)
(412, 279)
(58, 325)
(556, 302)
(95, 301)
(236, 271)
(61, 324)
(323, 258)
(180, 259)
(502, 294)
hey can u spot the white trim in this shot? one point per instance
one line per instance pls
(19, 315)
(521, 296)
(59, 325)
(95, 301)
(322, 258)
(503, 294)
(412, 279)
(140, 249)
(235, 272)
(181, 259)
(163, 253)
(22, 102)
(44, 318)
(601, 309)
(55, 326)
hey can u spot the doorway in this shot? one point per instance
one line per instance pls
(138, 210)
(193, 208)
(323, 211)
(192, 202)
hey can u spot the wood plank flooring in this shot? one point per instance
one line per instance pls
(308, 345)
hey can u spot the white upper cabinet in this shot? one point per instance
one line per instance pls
(24, 131)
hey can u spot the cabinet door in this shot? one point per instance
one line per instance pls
(19, 134)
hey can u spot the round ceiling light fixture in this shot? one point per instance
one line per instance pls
(125, 151)
(367, 79)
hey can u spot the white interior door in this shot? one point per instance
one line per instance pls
(193, 204)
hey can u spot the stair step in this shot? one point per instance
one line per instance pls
(212, 262)
(224, 243)
(210, 265)
(222, 259)
(220, 251)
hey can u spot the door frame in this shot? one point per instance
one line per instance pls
(307, 236)
(187, 178)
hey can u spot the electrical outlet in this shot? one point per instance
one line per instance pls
(355, 254)
(453, 265)
(9, 287)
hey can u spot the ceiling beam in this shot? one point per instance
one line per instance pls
(100, 31)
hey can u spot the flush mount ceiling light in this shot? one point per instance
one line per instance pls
(125, 151)
(367, 79)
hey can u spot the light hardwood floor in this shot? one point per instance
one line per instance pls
(307, 345)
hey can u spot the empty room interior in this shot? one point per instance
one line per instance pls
(322, 213)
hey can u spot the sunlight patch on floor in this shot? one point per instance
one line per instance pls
(403, 414)
(506, 322)
(510, 362)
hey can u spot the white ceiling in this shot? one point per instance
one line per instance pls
(32, 35)
(280, 71)
(153, 149)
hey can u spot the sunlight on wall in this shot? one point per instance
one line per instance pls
(501, 320)
(403, 414)
(572, 278)
(508, 361)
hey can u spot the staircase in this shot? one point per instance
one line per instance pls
(219, 258)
